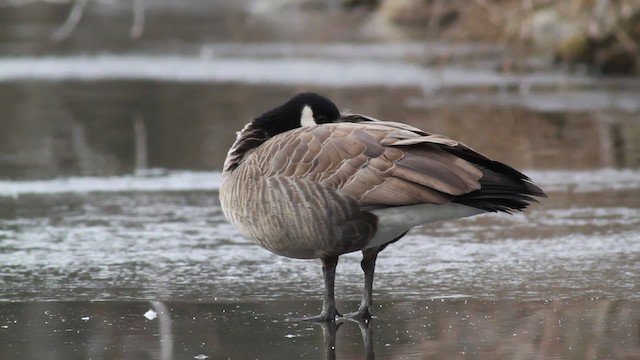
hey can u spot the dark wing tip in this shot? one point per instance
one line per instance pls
(533, 189)
(502, 189)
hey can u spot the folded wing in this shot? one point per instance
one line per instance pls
(383, 164)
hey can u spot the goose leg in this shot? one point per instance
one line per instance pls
(368, 264)
(329, 311)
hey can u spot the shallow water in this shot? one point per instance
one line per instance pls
(109, 214)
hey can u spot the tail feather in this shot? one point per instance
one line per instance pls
(503, 199)
(502, 188)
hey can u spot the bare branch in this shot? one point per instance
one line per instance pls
(138, 19)
(72, 21)
(627, 42)
(433, 26)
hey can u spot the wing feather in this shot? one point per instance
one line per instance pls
(376, 163)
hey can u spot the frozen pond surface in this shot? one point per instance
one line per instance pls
(166, 238)
(146, 267)
(441, 328)
(340, 67)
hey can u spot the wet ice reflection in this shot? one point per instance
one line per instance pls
(438, 328)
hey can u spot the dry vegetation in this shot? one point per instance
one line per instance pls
(604, 34)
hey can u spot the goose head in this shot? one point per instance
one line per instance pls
(304, 109)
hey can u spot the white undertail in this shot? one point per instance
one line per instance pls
(394, 221)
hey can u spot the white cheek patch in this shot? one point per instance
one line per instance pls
(306, 118)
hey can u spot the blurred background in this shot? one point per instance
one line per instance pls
(116, 116)
(112, 87)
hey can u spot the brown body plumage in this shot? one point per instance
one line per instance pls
(355, 183)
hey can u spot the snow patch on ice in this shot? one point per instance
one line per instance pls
(150, 315)
(170, 181)
(549, 180)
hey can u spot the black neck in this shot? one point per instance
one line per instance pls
(279, 119)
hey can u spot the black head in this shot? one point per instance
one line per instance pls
(304, 109)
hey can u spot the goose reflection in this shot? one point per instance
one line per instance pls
(330, 330)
